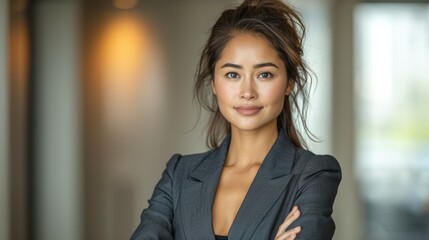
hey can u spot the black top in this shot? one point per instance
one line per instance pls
(221, 237)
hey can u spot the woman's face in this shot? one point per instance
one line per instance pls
(250, 83)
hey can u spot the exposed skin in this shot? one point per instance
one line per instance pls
(250, 85)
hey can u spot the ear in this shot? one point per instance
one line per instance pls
(213, 88)
(289, 87)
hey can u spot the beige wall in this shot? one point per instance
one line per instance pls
(348, 206)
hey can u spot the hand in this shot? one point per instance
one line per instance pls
(290, 234)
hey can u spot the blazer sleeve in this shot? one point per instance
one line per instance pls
(317, 190)
(156, 220)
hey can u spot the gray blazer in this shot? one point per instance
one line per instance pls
(181, 204)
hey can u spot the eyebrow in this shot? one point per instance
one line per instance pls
(267, 64)
(260, 65)
(231, 65)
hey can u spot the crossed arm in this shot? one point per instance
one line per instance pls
(309, 219)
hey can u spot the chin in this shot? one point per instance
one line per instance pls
(252, 126)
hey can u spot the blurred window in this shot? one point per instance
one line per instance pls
(392, 118)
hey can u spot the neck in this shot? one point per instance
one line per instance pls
(249, 148)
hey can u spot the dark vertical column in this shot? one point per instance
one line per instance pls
(93, 167)
(31, 123)
(20, 118)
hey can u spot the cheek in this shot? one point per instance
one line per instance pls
(275, 97)
(275, 94)
(223, 91)
(278, 103)
(223, 98)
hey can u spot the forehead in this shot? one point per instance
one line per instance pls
(249, 46)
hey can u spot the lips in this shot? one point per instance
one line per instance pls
(248, 110)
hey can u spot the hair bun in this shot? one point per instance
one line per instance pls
(260, 3)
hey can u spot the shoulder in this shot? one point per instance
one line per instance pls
(308, 162)
(181, 164)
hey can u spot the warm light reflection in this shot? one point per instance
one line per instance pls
(122, 47)
(125, 4)
(19, 54)
(125, 58)
(19, 82)
(18, 6)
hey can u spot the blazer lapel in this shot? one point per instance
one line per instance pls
(270, 181)
(198, 192)
(199, 189)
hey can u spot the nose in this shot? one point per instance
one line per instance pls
(248, 91)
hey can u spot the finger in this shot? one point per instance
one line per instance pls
(288, 221)
(293, 215)
(290, 234)
(291, 237)
(294, 209)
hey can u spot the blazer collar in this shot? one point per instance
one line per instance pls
(198, 191)
(277, 163)
(210, 168)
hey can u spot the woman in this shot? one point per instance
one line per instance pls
(250, 77)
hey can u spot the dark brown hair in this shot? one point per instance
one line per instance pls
(282, 26)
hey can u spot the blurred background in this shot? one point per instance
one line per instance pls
(96, 95)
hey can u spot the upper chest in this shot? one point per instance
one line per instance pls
(231, 191)
(236, 182)
(215, 198)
